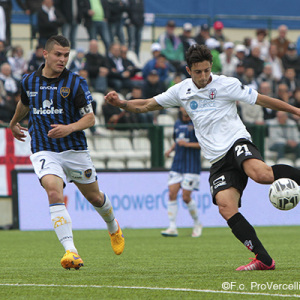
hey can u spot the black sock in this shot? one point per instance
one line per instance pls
(244, 232)
(286, 171)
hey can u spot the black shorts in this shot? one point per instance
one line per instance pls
(228, 171)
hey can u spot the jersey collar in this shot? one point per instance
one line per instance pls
(198, 89)
(63, 74)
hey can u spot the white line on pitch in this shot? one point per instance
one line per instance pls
(148, 288)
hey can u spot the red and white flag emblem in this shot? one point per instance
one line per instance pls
(13, 154)
(212, 93)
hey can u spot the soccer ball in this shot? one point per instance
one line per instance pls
(284, 193)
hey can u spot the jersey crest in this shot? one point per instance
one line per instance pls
(212, 93)
(65, 91)
(88, 173)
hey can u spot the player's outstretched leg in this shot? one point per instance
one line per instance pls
(286, 171)
(71, 260)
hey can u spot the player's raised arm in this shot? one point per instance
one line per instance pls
(276, 104)
(136, 106)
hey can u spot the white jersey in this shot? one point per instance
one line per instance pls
(213, 111)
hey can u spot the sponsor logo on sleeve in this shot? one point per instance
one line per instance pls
(31, 94)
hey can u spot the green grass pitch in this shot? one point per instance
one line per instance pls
(151, 267)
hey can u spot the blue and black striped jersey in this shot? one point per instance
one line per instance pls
(54, 101)
(186, 160)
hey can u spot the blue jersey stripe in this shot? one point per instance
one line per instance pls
(186, 160)
(54, 101)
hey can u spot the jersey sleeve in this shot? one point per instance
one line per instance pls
(83, 96)
(24, 96)
(169, 98)
(240, 92)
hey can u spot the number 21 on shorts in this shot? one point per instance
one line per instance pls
(242, 149)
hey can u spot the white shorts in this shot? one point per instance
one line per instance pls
(75, 166)
(188, 181)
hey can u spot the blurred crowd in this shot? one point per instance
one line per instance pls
(270, 66)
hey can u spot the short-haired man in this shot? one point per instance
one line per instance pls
(59, 106)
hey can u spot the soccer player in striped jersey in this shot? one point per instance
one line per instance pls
(210, 101)
(184, 173)
(59, 106)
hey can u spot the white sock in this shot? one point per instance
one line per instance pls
(172, 213)
(192, 207)
(62, 224)
(107, 213)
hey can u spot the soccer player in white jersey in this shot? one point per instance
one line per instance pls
(210, 101)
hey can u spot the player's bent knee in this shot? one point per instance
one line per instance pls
(186, 200)
(55, 197)
(172, 196)
(227, 211)
(186, 197)
(227, 202)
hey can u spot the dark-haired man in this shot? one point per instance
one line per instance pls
(210, 101)
(59, 106)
